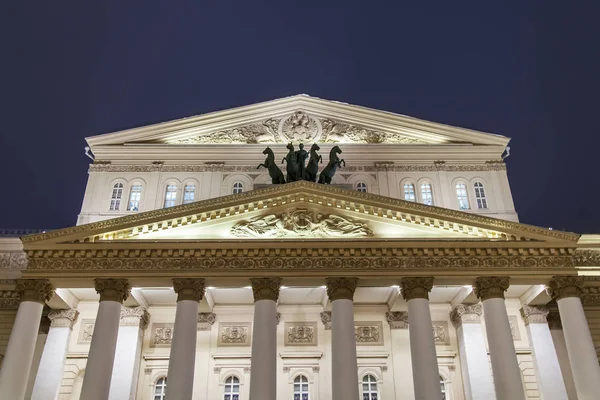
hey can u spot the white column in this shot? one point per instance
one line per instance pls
(126, 368)
(426, 375)
(21, 344)
(52, 363)
(263, 364)
(475, 365)
(400, 344)
(344, 365)
(505, 366)
(182, 361)
(98, 370)
(580, 347)
(547, 368)
(560, 346)
(40, 343)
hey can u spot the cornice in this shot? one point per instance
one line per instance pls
(13, 260)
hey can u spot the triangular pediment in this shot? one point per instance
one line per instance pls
(299, 211)
(298, 119)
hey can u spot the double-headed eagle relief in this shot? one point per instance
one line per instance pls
(296, 168)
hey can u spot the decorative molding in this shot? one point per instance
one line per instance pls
(265, 288)
(86, 331)
(466, 313)
(514, 327)
(383, 368)
(161, 334)
(341, 288)
(303, 223)
(300, 334)
(368, 333)
(262, 132)
(234, 334)
(9, 299)
(416, 288)
(37, 290)
(590, 296)
(112, 289)
(442, 166)
(491, 287)
(206, 321)
(441, 335)
(586, 258)
(299, 127)
(13, 260)
(316, 368)
(63, 318)
(189, 288)
(397, 319)
(340, 132)
(534, 314)
(565, 286)
(326, 319)
(135, 316)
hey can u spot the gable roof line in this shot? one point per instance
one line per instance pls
(266, 194)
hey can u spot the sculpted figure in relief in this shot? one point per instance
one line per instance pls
(300, 127)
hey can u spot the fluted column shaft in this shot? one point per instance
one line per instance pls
(344, 365)
(566, 290)
(21, 344)
(50, 371)
(505, 366)
(98, 371)
(263, 364)
(183, 347)
(547, 368)
(426, 376)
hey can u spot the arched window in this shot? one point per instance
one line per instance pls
(480, 196)
(170, 196)
(426, 194)
(301, 388)
(115, 198)
(135, 196)
(238, 187)
(361, 187)
(160, 389)
(409, 192)
(461, 196)
(369, 388)
(443, 387)
(232, 388)
(189, 193)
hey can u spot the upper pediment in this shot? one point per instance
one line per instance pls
(299, 119)
(300, 211)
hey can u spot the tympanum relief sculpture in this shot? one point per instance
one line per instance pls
(303, 223)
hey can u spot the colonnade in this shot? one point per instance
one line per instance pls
(557, 378)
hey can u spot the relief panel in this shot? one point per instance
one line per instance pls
(234, 334)
(300, 334)
(368, 333)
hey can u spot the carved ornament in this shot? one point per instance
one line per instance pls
(339, 132)
(63, 318)
(534, 314)
(112, 289)
(491, 287)
(440, 333)
(265, 132)
(265, 288)
(86, 331)
(9, 299)
(586, 258)
(341, 288)
(161, 335)
(303, 223)
(13, 260)
(368, 333)
(206, 321)
(514, 327)
(416, 288)
(234, 334)
(326, 319)
(189, 288)
(135, 316)
(466, 313)
(590, 296)
(565, 286)
(397, 319)
(37, 290)
(300, 127)
(300, 334)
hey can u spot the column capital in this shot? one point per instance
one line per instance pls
(135, 316)
(265, 288)
(491, 287)
(189, 288)
(416, 288)
(397, 319)
(326, 319)
(37, 290)
(554, 321)
(466, 313)
(565, 286)
(341, 288)
(112, 289)
(534, 314)
(63, 318)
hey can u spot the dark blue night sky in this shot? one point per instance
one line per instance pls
(527, 70)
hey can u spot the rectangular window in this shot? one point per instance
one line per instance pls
(170, 196)
(426, 194)
(134, 198)
(462, 197)
(189, 194)
(409, 192)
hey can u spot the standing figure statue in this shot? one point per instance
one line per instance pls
(292, 164)
(332, 166)
(274, 171)
(312, 168)
(301, 156)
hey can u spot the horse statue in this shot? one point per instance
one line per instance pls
(274, 171)
(292, 164)
(334, 163)
(312, 168)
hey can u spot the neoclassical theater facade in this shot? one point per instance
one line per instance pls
(191, 275)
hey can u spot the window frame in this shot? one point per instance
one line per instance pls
(361, 185)
(414, 190)
(163, 395)
(298, 380)
(466, 195)
(480, 195)
(117, 188)
(370, 392)
(421, 197)
(166, 194)
(185, 191)
(235, 382)
(139, 201)
(235, 186)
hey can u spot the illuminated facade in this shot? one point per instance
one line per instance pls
(190, 274)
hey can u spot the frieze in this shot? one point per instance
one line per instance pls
(590, 296)
(234, 334)
(13, 260)
(368, 333)
(300, 334)
(9, 299)
(586, 258)
(441, 336)
(86, 331)
(161, 335)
